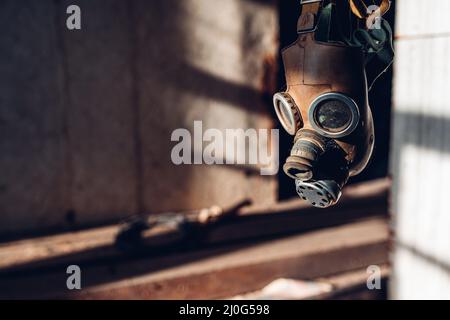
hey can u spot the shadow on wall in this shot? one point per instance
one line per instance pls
(86, 116)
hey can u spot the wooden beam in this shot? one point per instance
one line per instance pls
(343, 285)
(96, 245)
(219, 272)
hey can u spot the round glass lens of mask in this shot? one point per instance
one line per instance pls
(333, 116)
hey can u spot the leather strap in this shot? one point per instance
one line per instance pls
(308, 19)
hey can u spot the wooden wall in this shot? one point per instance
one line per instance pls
(86, 116)
(420, 162)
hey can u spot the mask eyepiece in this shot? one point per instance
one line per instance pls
(334, 115)
(287, 112)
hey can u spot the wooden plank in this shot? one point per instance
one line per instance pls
(216, 273)
(341, 285)
(286, 217)
(354, 283)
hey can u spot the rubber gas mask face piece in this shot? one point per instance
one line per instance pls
(325, 108)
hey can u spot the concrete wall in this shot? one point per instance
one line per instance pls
(421, 151)
(86, 116)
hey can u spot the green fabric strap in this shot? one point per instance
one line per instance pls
(324, 24)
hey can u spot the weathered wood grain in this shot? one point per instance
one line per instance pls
(91, 246)
(218, 272)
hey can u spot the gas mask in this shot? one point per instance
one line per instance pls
(329, 70)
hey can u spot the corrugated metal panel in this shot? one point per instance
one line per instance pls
(420, 157)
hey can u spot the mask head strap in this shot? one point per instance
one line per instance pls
(308, 20)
